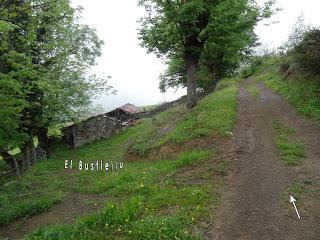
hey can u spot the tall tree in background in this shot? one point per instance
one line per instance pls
(175, 74)
(232, 36)
(177, 27)
(299, 30)
(194, 29)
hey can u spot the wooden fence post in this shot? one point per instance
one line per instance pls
(34, 155)
(16, 167)
(28, 157)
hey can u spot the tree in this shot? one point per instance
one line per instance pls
(306, 54)
(175, 74)
(232, 36)
(297, 34)
(194, 30)
(172, 27)
(45, 56)
(64, 51)
(18, 78)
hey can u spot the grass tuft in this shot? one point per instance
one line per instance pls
(254, 91)
(290, 149)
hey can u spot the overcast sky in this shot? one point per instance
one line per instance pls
(134, 72)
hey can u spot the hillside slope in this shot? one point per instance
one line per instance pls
(225, 170)
(173, 173)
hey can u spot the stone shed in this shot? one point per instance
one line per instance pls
(90, 130)
(100, 126)
(124, 113)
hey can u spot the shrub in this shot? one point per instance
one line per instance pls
(246, 72)
(252, 68)
(307, 53)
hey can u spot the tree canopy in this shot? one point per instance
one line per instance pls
(45, 57)
(213, 34)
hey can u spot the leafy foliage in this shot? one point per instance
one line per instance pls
(307, 53)
(175, 74)
(252, 67)
(225, 41)
(45, 55)
(177, 27)
(296, 36)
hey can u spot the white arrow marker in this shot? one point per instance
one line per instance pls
(293, 200)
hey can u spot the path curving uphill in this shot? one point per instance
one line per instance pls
(255, 205)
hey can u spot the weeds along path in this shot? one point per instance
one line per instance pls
(73, 206)
(256, 202)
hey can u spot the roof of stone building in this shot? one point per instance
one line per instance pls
(129, 108)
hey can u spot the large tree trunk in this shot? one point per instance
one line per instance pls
(193, 47)
(192, 62)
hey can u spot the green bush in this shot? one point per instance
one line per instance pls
(307, 53)
(246, 72)
(252, 68)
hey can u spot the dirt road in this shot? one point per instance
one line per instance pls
(256, 202)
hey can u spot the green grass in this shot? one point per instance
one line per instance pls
(143, 189)
(297, 191)
(302, 191)
(144, 199)
(300, 91)
(254, 91)
(157, 128)
(144, 180)
(215, 113)
(290, 149)
(45, 184)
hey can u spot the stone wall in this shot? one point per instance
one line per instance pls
(163, 107)
(93, 129)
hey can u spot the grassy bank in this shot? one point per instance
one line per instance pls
(216, 113)
(145, 201)
(301, 91)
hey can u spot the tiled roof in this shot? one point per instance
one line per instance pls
(129, 108)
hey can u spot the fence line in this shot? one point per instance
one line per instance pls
(27, 159)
